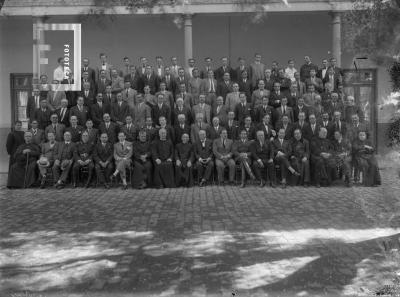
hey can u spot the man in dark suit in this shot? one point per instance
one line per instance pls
(249, 127)
(169, 80)
(242, 154)
(55, 127)
(37, 134)
(314, 80)
(300, 107)
(119, 111)
(203, 150)
(63, 160)
(242, 109)
(284, 109)
(74, 129)
(83, 157)
(108, 96)
(300, 157)
(181, 79)
(109, 128)
(263, 110)
(232, 126)
(327, 124)
(224, 68)
(267, 128)
(332, 78)
(286, 126)
(338, 125)
(181, 127)
(334, 105)
(222, 149)
(86, 79)
(80, 111)
(204, 72)
(63, 113)
(263, 159)
(103, 154)
(151, 80)
(215, 129)
(181, 109)
(245, 84)
(276, 95)
(224, 86)
(85, 68)
(102, 82)
(312, 130)
(98, 110)
(240, 69)
(301, 124)
(33, 104)
(87, 94)
(93, 133)
(133, 78)
(161, 109)
(282, 152)
(129, 129)
(42, 115)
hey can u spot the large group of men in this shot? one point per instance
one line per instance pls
(158, 126)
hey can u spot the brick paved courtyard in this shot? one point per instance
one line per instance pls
(212, 241)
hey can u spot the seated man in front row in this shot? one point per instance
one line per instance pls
(322, 158)
(142, 172)
(282, 152)
(242, 153)
(162, 152)
(83, 158)
(222, 149)
(103, 155)
(22, 172)
(204, 156)
(64, 157)
(263, 156)
(122, 155)
(184, 156)
(300, 157)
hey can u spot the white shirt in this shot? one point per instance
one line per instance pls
(58, 73)
(290, 73)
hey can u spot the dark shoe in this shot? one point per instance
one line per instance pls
(296, 173)
(306, 185)
(242, 185)
(124, 187)
(273, 185)
(43, 182)
(202, 183)
(318, 185)
(60, 186)
(262, 183)
(283, 185)
(87, 185)
(107, 186)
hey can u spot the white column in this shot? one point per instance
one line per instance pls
(38, 38)
(188, 39)
(336, 37)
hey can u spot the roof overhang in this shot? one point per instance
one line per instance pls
(41, 8)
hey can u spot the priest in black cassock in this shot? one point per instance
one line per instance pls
(184, 156)
(142, 166)
(23, 172)
(14, 139)
(162, 152)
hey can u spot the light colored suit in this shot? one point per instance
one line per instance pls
(194, 88)
(256, 97)
(221, 150)
(38, 136)
(108, 68)
(139, 114)
(209, 89)
(54, 99)
(129, 96)
(122, 155)
(206, 111)
(232, 99)
(256, 73)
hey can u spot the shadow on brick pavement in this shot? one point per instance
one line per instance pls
(212, 241)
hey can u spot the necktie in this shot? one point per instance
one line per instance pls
(62, 113)
(54, 127)
(223, 143)
(182, 126)
(107, 125)
(127, 92)
(86, 93)
(100, 104)
(37, 101)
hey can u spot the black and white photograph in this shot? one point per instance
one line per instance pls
(199, 148)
